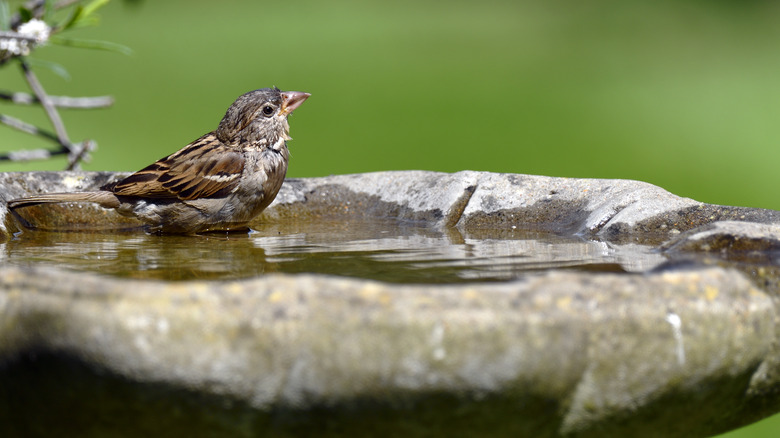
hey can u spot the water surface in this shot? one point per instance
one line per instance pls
(379, 249)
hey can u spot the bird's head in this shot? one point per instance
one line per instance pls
(259, 118)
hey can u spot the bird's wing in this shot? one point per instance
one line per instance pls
(205, 168)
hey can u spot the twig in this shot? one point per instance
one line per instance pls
(76, 153)
(29, 155)
(28, 128)
(26, 155)
(80, 153)
(59, 101)
(54, 116)
(8, 34)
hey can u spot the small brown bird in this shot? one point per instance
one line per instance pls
(219, 182)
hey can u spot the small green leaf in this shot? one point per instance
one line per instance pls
(91, 44)
(5, 15)
(83, 16)
(25, 14)
(48, 10)
(57, 69)
(93, 6)
(74, 17)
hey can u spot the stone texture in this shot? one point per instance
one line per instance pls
(687, 348)
(727, 237)
(613, 210)
(605, 355)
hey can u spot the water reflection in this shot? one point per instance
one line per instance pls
(381, 250)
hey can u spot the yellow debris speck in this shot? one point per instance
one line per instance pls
(275, 297)
(563, 302)
(370, 291)
(235, 288)
(384, 299)
(470, 294)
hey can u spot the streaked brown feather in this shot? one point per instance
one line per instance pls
(193, 172)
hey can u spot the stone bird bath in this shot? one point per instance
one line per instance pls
(393, 304)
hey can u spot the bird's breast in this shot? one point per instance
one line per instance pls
(263, 175)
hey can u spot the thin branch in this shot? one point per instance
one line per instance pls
(82, 151)
(51, 111)
(23, 46)
(44, 154)
(28, 128)
(30, 155)
(9, 34)
(76, 153)
(59, 101)
(34, 154)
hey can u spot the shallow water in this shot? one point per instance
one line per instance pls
(380, 250)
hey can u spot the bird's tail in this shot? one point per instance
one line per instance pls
(102, 197)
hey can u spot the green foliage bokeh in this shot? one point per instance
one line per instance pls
(682, 94)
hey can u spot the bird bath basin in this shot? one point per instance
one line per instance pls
(415, 303)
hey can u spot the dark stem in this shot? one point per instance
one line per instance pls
(82, 151)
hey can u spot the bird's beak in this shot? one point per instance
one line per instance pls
(292, 100)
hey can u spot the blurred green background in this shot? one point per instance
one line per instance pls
(683, 94)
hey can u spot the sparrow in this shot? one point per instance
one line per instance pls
(219, 182)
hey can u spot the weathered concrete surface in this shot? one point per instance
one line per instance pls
(613, 210)
(682, 350)
(555, 354)
(735, 239)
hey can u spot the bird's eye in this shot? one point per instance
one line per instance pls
(268, 110)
